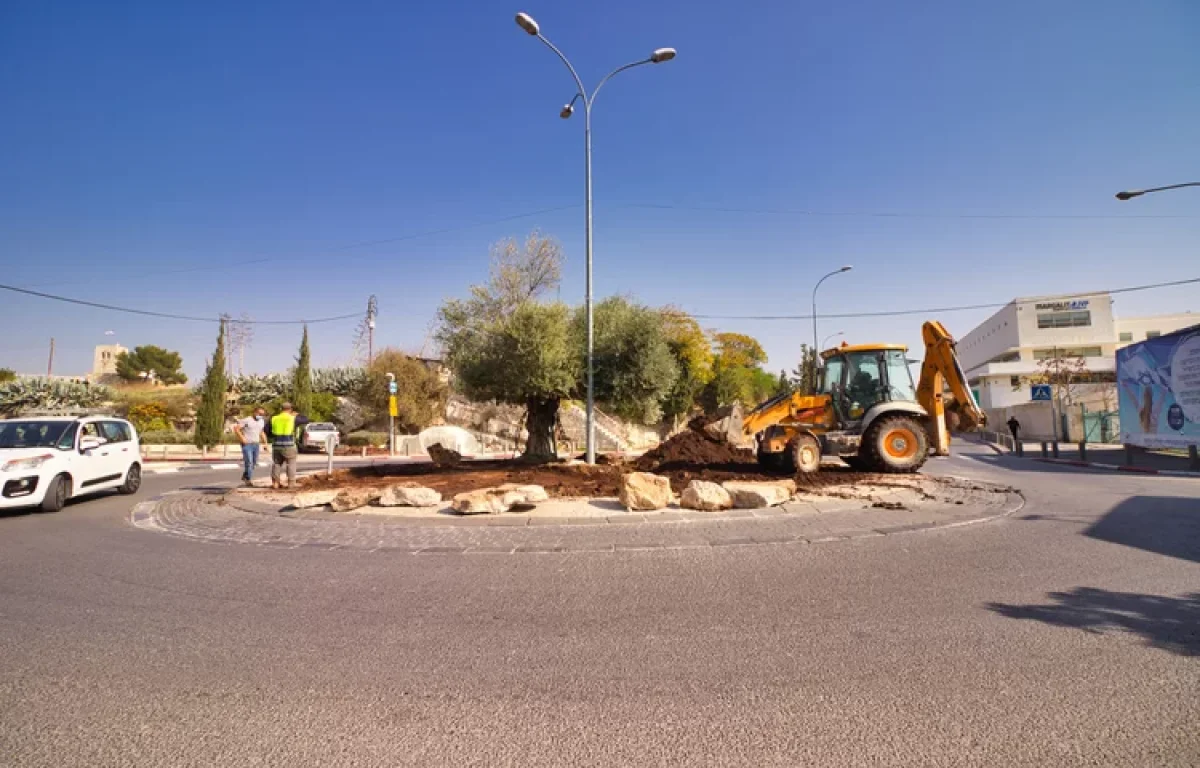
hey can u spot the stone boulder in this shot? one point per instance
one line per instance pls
(409, 495)
(348, 499)
(645, 491)
(444, 457)
(486, 501)
(309, 499)
(705, 496)
(757, 495)
(530, 494)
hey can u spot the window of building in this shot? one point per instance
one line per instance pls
(1126, 336)
(1015, 381)
(1051, 352)
(1007, 357)
(1153, 334)
(1073, 319)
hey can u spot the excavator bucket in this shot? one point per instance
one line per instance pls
(725, 426)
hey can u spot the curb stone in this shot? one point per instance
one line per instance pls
(192, 516)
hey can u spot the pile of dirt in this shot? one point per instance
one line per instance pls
(559, 480)
(691, 448)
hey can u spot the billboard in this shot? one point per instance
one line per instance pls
(1158, 384)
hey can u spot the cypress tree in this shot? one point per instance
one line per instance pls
(210, 417)
(302, 379)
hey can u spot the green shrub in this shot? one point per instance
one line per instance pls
(361, 439)
(43, 393)
(179, 437)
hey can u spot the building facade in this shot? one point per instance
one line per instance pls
(1002, 353)
(104, 361)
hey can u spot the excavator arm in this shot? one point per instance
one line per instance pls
(941, 368)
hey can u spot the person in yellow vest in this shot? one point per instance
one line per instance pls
(283, 447)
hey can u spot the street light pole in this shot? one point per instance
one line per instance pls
(827, 338)
(660, 55)
(1132, 193)
(846, 268)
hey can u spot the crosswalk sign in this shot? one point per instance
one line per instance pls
(1041, 392)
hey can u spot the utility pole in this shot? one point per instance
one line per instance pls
(372, 311)
(50, 363)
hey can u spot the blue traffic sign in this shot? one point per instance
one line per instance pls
(1041, 392)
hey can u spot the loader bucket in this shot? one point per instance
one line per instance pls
(725, 427)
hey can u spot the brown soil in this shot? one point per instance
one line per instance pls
(692, 449)
(570, 481)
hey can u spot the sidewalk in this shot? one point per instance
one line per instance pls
(1106, 456)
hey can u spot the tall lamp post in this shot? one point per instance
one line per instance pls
(1132, 193)
(827, 338)
(846, 268)
(526, 22)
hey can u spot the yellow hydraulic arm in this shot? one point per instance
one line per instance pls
(939, 369)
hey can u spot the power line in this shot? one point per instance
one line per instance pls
(936, 310)
(893, 214)
(167, 315)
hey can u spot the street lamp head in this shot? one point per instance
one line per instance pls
(526, 22)
(567, 111)
(1129, 194)
(846, 268)
(662, 54)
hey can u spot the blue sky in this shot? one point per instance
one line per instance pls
(259, 147)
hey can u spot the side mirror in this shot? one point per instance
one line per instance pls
(88, 444)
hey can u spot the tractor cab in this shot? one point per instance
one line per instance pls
(858, 377)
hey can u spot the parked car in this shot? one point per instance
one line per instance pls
(315, 433)
(46, 460)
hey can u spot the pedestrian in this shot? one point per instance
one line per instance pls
(251, 432)
(1014, 426)
(283, 447)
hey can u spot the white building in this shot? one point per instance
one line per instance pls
(1001, 354)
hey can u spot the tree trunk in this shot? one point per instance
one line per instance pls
(540, 417)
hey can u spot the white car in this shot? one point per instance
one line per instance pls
(46, 460)
(314, 435)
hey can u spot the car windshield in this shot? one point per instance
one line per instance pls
(321, 427)
(31, 434)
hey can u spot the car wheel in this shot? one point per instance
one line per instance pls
(56, 494)
(133, 480)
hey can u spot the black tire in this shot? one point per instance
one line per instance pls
(56, 494)
(895, 443)
(805, 453)
(133, 480)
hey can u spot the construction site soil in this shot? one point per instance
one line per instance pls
(685, 457)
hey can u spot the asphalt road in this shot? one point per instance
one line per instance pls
(1068, 634)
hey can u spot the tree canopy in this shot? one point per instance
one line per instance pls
(302, 388)
(210, 416)
(634, 367)
(162, 363)
(505, 343)
(420, 394)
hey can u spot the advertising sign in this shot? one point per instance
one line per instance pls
(1158, 383)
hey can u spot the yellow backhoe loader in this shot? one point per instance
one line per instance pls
(866, 410)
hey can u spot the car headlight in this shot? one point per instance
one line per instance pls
(32, 462)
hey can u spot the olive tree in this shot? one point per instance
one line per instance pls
(505, 343)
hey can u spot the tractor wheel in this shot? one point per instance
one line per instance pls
(805, 452)
(895, 443)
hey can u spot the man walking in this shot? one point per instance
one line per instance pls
(1014, 426)
(250, 431)
(283, 447)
